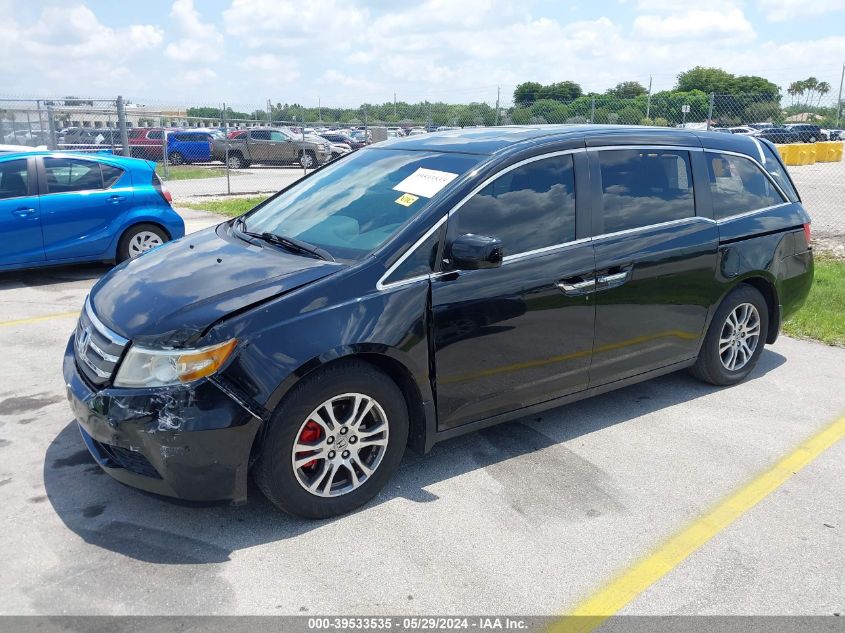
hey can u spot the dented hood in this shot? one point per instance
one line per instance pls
(171, 295)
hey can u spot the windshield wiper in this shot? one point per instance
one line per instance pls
(294, 244)
(290, 243)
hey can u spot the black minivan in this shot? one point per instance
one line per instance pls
(426, 287)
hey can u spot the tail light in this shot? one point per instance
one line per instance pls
(807, 233)
(161, 189)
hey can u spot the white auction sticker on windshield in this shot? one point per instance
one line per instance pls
(425, 182)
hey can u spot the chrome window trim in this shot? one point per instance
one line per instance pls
(381, 285)
(542, 251)
(674, 148)
(658, 225)
(114, 336)
(746, 214)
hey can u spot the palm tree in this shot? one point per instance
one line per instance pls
(822, 89)
(796, 89)
(811, 84)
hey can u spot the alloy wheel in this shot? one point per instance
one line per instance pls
(739, 337)
(340, 445)
(143, 241)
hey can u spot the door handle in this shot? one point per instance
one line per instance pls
(23, 212)
(116, 199)
(576, 285)
(614, 278)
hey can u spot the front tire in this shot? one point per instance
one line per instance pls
(139, 239)
(176, 158)
(333, 442)
(735, 338)
(308, 160)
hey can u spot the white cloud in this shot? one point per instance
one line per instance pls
(782, 10)
(694, 23)
(196, 40)
(308, 27)
(349, 51)
(70, 48)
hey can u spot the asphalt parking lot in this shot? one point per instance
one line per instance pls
(529, 517)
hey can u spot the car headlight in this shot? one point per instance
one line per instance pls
(145, 367)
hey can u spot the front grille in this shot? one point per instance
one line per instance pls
(97, 348)
(130, 460)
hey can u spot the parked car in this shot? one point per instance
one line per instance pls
(361, 136)
(836, 135)
(188, 146)
(742, 129)
(271, 146)
(337, 137)
(64, 208)
(808, 133)
(337, 150)
(779, 135)
(303, 340)
(147, 143)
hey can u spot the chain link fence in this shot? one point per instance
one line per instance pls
(206, 150)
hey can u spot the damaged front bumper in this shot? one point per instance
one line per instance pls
(187, 441)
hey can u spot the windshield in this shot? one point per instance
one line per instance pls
(353, 206)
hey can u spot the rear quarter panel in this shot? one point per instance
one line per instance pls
(768, 244)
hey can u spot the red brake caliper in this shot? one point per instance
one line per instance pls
(310, 433)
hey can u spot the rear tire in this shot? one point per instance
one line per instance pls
(139, 239)
(236, 161)
(735, 338)
(331, 483)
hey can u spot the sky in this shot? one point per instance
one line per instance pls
(345, 52)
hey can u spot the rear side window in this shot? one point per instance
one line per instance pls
(13, 179)
(778, 172)
(69, 174)
(154, 134)
(737, 185)
(110, 175)
(530, 207)
(260, 135)
(643, 187)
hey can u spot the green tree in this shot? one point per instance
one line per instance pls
(526, 93)
(764, 111)
(822, 89)
(754, 85)
(561, 91)
(705, 79)
(550, 110)
(796, 89)
(630, 115)
(627, 90)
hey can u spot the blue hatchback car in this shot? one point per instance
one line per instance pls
(63, 208)
(188, 147)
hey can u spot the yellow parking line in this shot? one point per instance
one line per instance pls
(46, 317)
(613, 597)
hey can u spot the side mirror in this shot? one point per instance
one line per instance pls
(472, 252)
